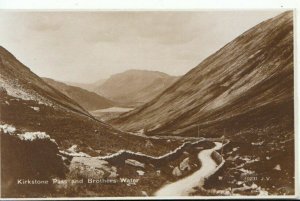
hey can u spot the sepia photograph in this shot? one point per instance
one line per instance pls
(159, 104)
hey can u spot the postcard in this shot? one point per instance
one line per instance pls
(147, 103)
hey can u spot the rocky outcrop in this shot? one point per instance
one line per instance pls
(135, 163)
(176, 172)
(82, 167)
(29, 155)
(184, 165)
(217, 157)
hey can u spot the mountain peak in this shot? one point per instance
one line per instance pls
(134, 87)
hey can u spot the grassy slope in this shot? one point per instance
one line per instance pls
(69, 128)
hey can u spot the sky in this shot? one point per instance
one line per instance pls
(84, 47)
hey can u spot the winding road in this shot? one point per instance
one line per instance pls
(185, 186)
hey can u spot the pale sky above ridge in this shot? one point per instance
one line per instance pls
(88, 46)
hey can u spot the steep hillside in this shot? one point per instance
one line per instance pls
(20, 82)
(88, 100)
(134, 87)
(249, 79)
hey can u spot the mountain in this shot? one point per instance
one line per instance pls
(246, 83)
(90, 86)
(134, 87)
(88, 100)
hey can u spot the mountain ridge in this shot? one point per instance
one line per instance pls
(88, 100)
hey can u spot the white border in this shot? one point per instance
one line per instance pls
(147, 4)
(162, 5)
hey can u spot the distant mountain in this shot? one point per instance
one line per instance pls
(135, 87)
(247, 82)
(88, 100)
(90, 86)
